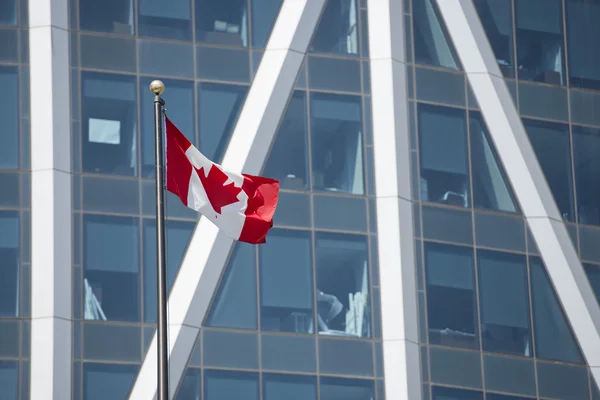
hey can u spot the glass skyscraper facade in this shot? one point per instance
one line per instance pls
(302, 316)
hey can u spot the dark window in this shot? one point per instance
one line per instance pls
(9, 380)
(9, 114)
(432, 43)
(443, 393)
(583, 26)
(8, 14)
(347, 389)
(172, 22)
(228, 385)
(586, 147)
(264, 13)
(289, 387)
(9, 264)
(222, 22)
(115, 16)
(496, 17)
(107, 381)
(337, 31)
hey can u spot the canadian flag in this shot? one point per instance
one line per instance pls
(241, 205)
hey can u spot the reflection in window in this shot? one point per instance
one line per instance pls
(219, 108)
(444, 164)
(338, 29)
(496, 17)
(490, 186)
(180, 108)
(540, 51)
(8, 12)
(9, 380)
(444, 393)
(583, 25)
(115, 16)
(228, 385)
(9, 114)
(111, 278)
(109, 142)
(551, 145)
(347, 389)
(264, 13)
(289, 387)
(107, 381)
(287, 161)
(9, 264)
(432, 44)
(286, 284)
(178, 234)
(586, 147)
(337, 143)
(190, 386)
(451, 302)
(234, 305)
(343, 307)
(172, 22)
(504, 299)
(222, 22)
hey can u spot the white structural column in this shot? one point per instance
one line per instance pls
(252, 138)
(51, 264)
(525, 174)
(395, 234)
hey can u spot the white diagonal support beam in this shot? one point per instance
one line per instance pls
(252, 138)
(51, 261)
(395, 234)
(526, 176)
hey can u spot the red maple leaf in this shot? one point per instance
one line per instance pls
(219, 195)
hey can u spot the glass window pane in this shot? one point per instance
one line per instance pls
(491, 189)
(505, 326)
(343, 306)
(227, 385)
(443, 393)
(561, 381)
(432, 44)
(288, 353)
(551, 145)
(222, 22)
(289, 387)
(107, 381)
(336, 388)
(583, 19)
(443, 366)
(109, 124)
(115, 16)
(286, 283)
(451, 303)
(235, 303)
(287, 161)
(223, 349)
(9, 114)
(172, 22)
(219, 106)
(9, 263)
(9, 380)
(264, 13)
(337, 143)
(190, 386)
(8, 12)
(444, 164)
(180, 107)
(586, 147)
(496, 17)
(337, 31)
(553, 337)
(111, 278)
(509, 374)
(345, 357)
(593, 274)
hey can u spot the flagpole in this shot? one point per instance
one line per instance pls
(157, 87)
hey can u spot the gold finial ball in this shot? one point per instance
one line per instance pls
(157, 87)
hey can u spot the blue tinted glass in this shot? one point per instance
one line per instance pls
(172, 22)
(9, 380)
(219, 106)
(540, 50)
(582, 25)
(337, 31)
(551, 145)
(505, 324)
(179, 100)
(496, 17)
(9, 114)
(593, 274)
(337, 151)
(286, 283)
(8, 13)
(234, 305)
(443, 393)
(222, 22)
(444, 164)
(115, 16)
(109, 124)
(289, 387)
(178, 234)
(111, 278)
(432, 44)
(107, 381)
(287, 161)
(451, 302)
(586, 147)
(490, 187)
(190, 386)
(264, 13)
(343, 306)
(553, 337)
(335, 388)
(228, 385)
(494, 396)
(9, 264)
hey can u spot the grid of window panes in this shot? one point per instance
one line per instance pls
(15, 202)
(486, 302)
(298, 316)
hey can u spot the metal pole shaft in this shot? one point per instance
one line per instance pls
(163, 355)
